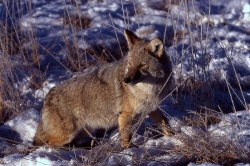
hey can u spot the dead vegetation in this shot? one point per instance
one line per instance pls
(200, 145)
(81, 22)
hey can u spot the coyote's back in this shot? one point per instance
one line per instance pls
(108, 96)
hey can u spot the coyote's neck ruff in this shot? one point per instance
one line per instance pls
(111, 95)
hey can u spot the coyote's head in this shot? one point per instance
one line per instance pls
(143, 59)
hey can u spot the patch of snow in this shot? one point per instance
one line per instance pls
(203, 164)
(24, 125)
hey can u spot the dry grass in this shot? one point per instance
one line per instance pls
(24, 48)
(200, 145)
(208, 96)
(9, 47)
(81, 22)
(1, 100)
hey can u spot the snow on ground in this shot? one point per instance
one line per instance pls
(212, 43)
(153, 152)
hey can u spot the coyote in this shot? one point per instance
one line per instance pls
(109, 96)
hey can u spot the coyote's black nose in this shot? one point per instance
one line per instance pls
(127, 80)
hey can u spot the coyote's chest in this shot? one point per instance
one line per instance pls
(146, 96)
(145, 92)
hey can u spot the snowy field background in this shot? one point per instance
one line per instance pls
(45, 42)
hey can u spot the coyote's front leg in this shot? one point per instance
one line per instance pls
(125, 124)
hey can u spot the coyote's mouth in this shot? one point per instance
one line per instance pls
(135, 78)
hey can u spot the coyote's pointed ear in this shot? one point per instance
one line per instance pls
(131, 38)
(155, 46)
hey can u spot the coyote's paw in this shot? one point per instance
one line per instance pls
(126, 145)
(167, 131)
